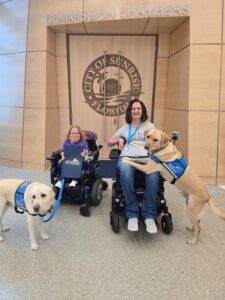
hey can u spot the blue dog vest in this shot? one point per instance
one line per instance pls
(19, 196)
(176, 167)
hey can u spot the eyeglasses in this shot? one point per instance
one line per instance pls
(75, 133)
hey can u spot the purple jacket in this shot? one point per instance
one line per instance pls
(81, 143)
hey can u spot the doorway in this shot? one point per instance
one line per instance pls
(106, 72)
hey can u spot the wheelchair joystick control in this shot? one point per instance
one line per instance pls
(175, 136)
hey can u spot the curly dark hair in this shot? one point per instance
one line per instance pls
(128, 116)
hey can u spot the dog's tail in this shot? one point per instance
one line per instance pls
(220, 213)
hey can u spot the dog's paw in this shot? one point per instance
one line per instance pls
(190, 228)
(191, 242)
(1, 238)
(45, 236)
(34, 246)
(4, 229)
(125, 160)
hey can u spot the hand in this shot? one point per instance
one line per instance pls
(62, 157)
(85, 153)
(121, 143)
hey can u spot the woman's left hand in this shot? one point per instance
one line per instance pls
(84, 153)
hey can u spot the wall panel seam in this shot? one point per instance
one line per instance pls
(220, 87)
(24, 92)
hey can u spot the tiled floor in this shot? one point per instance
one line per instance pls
(84, 259)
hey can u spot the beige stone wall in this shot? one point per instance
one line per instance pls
(13, 35)
(189, 92)
(161, 80)
(177, 89)
(195, 97)
(62, 84)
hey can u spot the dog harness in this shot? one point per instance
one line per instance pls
(19, 197)
(176, 167)
(20, 206)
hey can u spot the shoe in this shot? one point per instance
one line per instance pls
(150, 226)
(58, 184)
(132, 224)
(73, 183)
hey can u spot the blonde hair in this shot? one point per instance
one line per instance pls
(82, 135)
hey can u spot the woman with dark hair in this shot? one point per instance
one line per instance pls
(133, 133)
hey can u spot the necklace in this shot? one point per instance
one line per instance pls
(130, 133)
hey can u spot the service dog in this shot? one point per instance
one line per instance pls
(162, 150)
(38, 199)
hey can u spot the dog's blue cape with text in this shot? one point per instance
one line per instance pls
(19, 194)
(176, 167)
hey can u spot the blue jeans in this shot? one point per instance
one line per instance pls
(148, 206)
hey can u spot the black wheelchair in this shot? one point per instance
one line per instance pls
(118, 199)
(89, 186)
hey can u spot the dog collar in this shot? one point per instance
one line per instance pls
(156, 151)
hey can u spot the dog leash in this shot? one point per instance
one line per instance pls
(56, 206)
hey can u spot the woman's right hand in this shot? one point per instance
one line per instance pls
(62, 157)
(121, 143)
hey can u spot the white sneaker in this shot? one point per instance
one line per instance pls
(150, 226)
(58, 183)
(73, 183)
(132, 224)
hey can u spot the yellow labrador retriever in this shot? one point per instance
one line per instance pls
(33, 198)
(162, 150)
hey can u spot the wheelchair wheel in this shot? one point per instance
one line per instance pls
(114, 203)
(85, 210)
(96, 192)
(167, 224)
(115, 222)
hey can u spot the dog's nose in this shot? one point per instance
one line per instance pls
(146, 147)
(36, 207)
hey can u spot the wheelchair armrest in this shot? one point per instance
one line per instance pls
(54, 156)
(114, 154)
(95, 154)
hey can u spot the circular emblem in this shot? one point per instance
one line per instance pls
(109, 83)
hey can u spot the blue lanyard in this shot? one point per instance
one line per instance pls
(131, 134)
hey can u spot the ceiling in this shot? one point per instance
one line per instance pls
(139, 26)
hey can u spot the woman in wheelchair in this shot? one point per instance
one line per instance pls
(131, 142)
(87, 189)
(75, 137)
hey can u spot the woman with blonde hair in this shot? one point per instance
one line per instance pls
(75, 137)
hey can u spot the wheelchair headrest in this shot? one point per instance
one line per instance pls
(92, 145)
(90, 135)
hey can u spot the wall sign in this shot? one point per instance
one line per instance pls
(145, 11)
(109, 83)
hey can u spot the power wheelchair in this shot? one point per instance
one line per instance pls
(118, 199)
(90, 185)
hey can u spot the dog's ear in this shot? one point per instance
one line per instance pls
(164, 139)
(146, 133)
